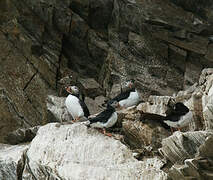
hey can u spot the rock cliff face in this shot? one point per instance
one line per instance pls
(163, 45)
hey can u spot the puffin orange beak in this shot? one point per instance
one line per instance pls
(130, 85)
(68, 89)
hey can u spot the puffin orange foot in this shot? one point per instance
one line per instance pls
(107, 134)
(103, 131)
(76, 119)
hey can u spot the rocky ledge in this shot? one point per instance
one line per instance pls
(75, 152)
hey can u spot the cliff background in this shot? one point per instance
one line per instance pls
(163, 45)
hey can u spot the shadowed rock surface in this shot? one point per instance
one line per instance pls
(21, 135)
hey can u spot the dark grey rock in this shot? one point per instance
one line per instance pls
(21, 135)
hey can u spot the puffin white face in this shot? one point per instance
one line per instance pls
(72, 89)
(129, 84)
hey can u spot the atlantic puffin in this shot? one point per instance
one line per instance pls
(127, 98)
(180, 116)
(105, 119)
(75, 106)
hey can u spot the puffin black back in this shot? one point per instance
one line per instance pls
(175, 114)
(181, 108)
(121, 96)
(103, 116)
(80, 96)
(85, 108)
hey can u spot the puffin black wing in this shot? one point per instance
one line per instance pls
(121, 96)
(149, 117)
(103, 116)
(85, 108)
(82, 97)
(173, 117)
(179, 110)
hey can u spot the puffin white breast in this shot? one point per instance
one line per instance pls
(182, 122)
(110, 122)
(73, 106)
(132, 100)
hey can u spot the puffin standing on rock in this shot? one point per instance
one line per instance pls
(105, 119)
(179, 117)
(75, 106)
(127, 98)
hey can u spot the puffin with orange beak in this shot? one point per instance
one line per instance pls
(75, 106)
(127, 98)
(105, 119)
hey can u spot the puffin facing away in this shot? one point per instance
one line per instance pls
(128, 98)
(75, 106)
(179, 117)
(105, 119)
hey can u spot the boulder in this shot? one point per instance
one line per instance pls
(57, 111)
(76, 152)
(141, 131)
(181, 146)
(199, 167)
(11, 161)
(205, 150)
(94, 105)
(90, 87)
(140, 135)
(21, 135)
(157, 105)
